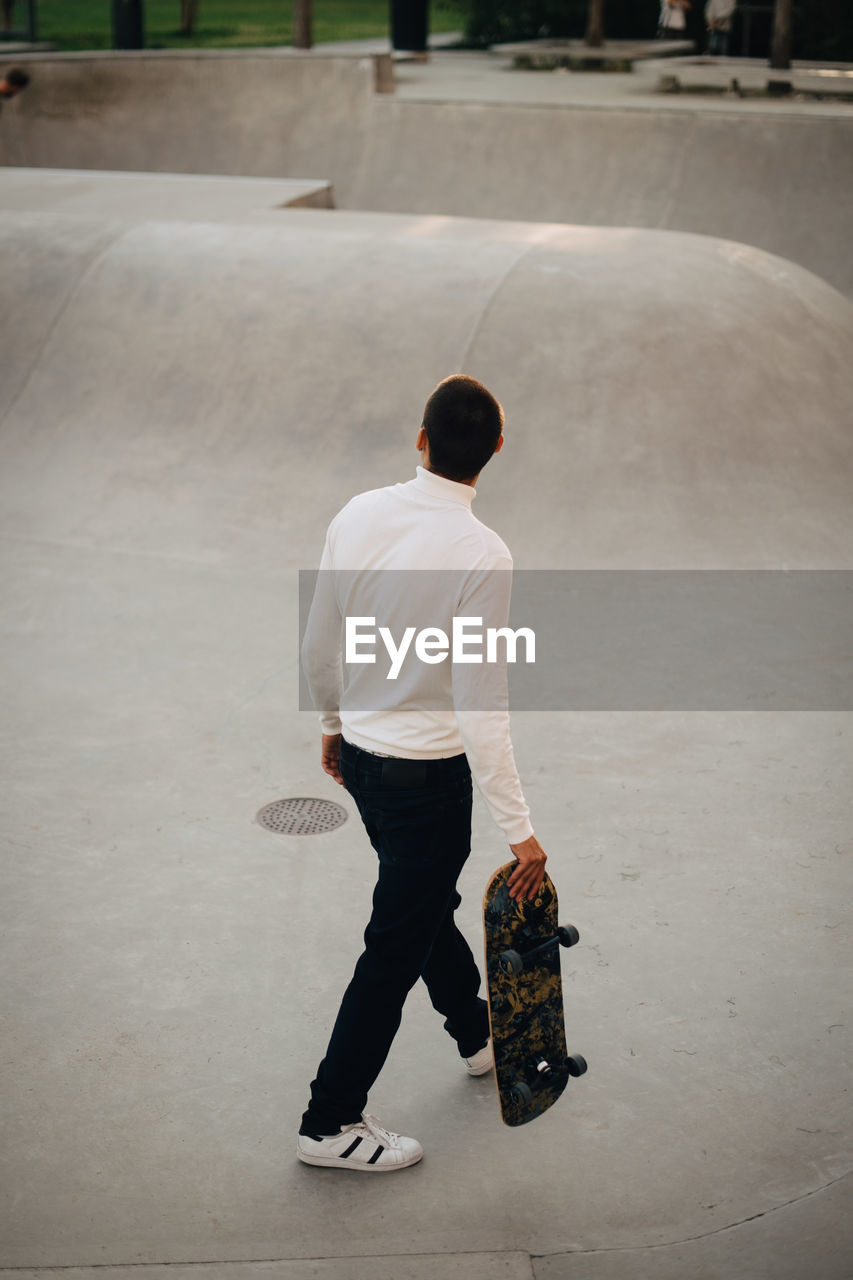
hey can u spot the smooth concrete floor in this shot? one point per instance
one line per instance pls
(184, 407)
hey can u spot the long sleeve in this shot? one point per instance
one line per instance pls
(481, 704)
(321, 647)
(488, 746)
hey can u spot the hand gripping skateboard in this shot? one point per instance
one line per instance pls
(523, 941)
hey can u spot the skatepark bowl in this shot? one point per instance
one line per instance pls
(204, 357)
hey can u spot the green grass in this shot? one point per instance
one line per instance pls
(229, 24)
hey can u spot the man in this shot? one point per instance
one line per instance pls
(672, 22)
(405, 745)
(718, 21)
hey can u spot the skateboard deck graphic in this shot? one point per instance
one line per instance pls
(523, 941)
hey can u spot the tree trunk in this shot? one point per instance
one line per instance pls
(595, 24)
(189, 11)
(783, 34)
(303, 36)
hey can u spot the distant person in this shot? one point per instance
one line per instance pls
(14, 81)
(8, 8)
(672, 23)
(718, 21)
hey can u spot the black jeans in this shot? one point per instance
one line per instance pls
(417, 814)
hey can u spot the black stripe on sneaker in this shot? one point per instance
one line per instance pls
(377, 1153)
(351, 1148)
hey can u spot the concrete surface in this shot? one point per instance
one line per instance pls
(136, 197)
(464, 135)
(184, 405)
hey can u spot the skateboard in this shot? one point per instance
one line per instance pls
(523, 941)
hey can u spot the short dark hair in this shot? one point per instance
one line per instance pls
(17, 78)
(463, 423)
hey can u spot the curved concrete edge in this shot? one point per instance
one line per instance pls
(812, 1235)
(509, 1265)
(749, 460)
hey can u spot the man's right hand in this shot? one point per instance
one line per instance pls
(330, 756)
(528, 875)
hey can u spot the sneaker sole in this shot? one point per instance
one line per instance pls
(335, 1162)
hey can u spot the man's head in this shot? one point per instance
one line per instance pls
(462, 427)
(13, 82)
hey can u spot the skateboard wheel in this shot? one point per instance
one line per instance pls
(511, 962)
(568, 935)
(576, 1065)
(521, 1093)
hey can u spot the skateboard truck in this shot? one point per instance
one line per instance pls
(513, 961)
(575, 1065)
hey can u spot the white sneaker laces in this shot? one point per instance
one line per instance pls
(380, 1135)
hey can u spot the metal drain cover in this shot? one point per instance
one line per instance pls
(302, 816)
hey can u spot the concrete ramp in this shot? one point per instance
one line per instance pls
(676, 401)
(184, 405)
(782, 181)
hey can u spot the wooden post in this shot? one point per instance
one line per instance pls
(595, 24)
(303, 36)
(783, 35)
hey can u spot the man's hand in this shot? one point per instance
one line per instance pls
(330, 756)
(527, 877)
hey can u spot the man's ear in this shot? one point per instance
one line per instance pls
(421, 441)
(500, 444)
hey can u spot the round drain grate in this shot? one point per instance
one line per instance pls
(302, 816)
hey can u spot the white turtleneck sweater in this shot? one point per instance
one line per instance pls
(415, 555)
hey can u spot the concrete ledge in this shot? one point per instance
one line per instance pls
(264, 114)
(17, 47)
(577, 55)
(747, 74)
(139, 197)
(383, 65)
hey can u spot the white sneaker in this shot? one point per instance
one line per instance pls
(481, 1062)
(365, 1146)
